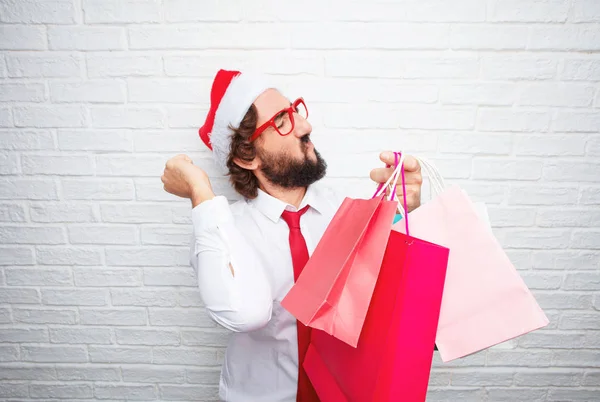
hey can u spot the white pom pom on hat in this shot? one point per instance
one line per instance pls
(232, 94)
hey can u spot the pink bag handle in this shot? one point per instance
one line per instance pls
(382, 184)
(404, 199)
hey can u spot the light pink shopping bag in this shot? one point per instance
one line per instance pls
(485, 301)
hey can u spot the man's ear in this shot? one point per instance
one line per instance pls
(252, 165)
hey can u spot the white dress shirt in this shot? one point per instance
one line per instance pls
(261, 362)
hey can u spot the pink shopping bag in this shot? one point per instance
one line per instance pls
(485, 301)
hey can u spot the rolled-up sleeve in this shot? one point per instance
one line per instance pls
(232, 282)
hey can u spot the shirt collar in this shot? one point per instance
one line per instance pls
(273, 207)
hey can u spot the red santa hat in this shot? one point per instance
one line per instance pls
(231, 96)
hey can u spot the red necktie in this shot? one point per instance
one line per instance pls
(306, 392)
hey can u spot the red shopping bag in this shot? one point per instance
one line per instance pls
(392, 360)
(335, 288)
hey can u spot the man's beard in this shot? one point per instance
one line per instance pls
(284, 171)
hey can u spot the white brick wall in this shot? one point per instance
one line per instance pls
(97, 300)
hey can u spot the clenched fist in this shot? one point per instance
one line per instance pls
(412, 176)
(184, 179)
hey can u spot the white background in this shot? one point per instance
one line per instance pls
(97, 299)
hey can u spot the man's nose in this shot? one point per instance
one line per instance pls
(302, 125)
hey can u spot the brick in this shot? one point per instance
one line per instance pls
(351, 35)
(38, 12)
(517, 68)
(183, 11)
(511, 216)
(589, 195)
(26, 188)
(203, 375)
(14, 390)
(112, 316)
(185, 116)
(80, 335)
(16, 256)
(5, 316)
(127, 117)
(573, 121)
(580, 70)
(520, 358)
(159, 141)
(542, 195)
(44, 316)
(568, 95)
(54, 354)
(360, 64)
(586, 239)
(166, 235)
(495, 169)
(24, 335)
(187, 392)
(484, 191)
(516, 394)
(510, 120)
(103, 234)
(49, 116)
(489, 37)
(23, 372)
(593, 146)
(591, 339)
(56, 165)
(170, 277)
(582, 281)
(48, 65)
(154, 374)
(565, 301)
(83, 373)
(577, 394)
(9, 164)
(135, 213)
(185, 356)
(551, 340)
(111, 354)
(122, 65)
(205, 337)
(580, 321)
(115, 11)
(567, 218)
(102, 277)
(209, 36)
(168, 90)
(19, 296)
(188, 317)
(569, 37)
(144, 297)
(566, 170)
(550, 145)
(585, 11)
(75, 297)
(591, 379)
(109, 165)
(96, 91)
(441, 11)
(575, 358)
(12, 213)
(566, 260)
(531, 11)
(190, 298)
(69, 255)
(130, 392)
(98, 189)
(537, 238)
(481, 378)
(86, 38)
(479, 94)
(38, 277)
(95, 140)
(6, 118)
(148, 256)
(542, 280)
(61, 391)
(63, 212)
(521, 259)
(455, 394)
(26, 140)
(147, 337)
(22, 92)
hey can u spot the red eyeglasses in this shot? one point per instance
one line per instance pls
(283, 121)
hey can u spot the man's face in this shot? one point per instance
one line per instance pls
(291, 160)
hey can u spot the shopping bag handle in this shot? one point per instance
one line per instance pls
(387, 166)
(396, 175)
